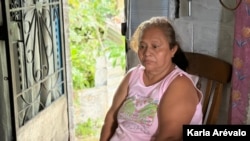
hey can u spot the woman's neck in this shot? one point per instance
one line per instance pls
(152, 77)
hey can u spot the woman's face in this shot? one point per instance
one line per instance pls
(154, 52)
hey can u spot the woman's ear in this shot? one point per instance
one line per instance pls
(173, 50)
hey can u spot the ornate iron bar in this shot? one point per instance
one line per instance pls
(36, 41)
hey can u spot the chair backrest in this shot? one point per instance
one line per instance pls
(215, 74)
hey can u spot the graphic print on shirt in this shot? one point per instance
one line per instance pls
(140, 111)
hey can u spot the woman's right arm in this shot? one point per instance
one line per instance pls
(110, 122)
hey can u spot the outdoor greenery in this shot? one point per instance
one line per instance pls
(88, 28)
(90, 128)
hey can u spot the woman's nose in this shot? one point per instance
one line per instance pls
(147, 51)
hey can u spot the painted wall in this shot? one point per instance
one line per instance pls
(209, 29)
(50, 124)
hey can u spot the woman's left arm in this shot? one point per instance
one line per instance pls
(177, 107)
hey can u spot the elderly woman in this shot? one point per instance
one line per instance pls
(157, 97)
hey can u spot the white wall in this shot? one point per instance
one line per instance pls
(209, 29)
(51, 124)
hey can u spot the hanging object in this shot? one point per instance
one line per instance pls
(189, 7)
(238, 4)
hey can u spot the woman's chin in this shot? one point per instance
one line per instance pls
(149, 66)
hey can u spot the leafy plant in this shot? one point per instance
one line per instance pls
(89, 128)
(87, 19)
(116, 53)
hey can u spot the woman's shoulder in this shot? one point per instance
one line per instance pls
(136, 68)
(186, 82)
(193, 78)
(135, 72)
(179, 79)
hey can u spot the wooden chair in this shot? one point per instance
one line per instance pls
(217, 74)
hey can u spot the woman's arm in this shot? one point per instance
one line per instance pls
(110, 122)
(177, 107)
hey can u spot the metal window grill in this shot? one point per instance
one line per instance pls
(35, 42)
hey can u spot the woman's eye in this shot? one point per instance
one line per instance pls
(155, 46)
(141, 46)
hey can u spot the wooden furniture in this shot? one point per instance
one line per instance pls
(214, 74)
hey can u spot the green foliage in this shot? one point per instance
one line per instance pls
(87, 19)
(88, 128)
(116, 53)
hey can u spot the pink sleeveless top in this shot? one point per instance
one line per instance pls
(137, 117)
